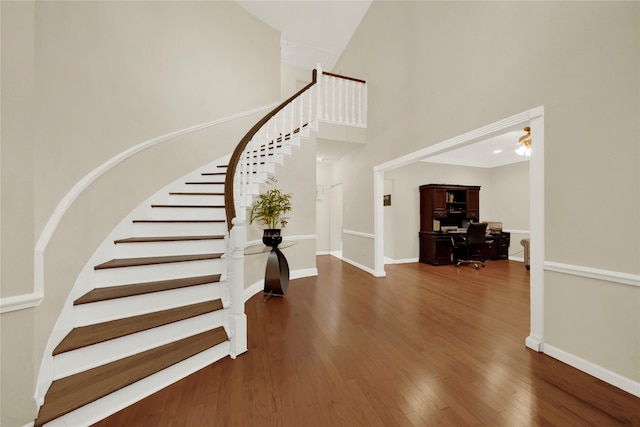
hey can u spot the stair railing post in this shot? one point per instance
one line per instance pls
(319, 101)
(238, 319)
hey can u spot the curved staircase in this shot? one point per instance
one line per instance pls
(156, 312)
(171, 299)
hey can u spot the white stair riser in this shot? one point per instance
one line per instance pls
(259, 177)
(268, 168)
(189, 199)
(85, 358)
(104, 311)
(151, 229)
(286, 148)
(151, 273)
(114, 402)
(180, 247)
(204, 213)
(207, 178)
(204, 188)
(272, 157)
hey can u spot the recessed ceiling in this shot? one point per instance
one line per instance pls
(312, 32)
(497, 151)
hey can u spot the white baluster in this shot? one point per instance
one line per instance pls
(283, 126)
(292, 121)
(364, 105)
(318, 87)
(301, 114)
(340, 101)
(359, 121)
(310, 100)
(353, 102)
(333, 99)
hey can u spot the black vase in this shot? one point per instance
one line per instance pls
(271, 237)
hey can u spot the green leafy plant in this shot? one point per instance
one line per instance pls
(270, 207)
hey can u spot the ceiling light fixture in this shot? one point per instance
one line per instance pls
(525, 140)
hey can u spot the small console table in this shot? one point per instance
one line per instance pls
(276, 274)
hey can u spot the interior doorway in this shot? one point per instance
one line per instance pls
(535, 120)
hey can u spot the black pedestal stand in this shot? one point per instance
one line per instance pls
(276, 275)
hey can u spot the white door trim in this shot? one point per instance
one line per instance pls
(533, 118)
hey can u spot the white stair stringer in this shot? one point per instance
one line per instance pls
(144, 222)
(114, 402)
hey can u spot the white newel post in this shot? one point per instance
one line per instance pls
(238, 318)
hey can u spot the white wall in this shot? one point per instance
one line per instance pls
(436, 70)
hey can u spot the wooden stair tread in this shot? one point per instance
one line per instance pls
(133, 262)
(75, 391)
(93, 334)
(123, 291)
(213, 173)
(167, 239)
(177, 220)
(194, 193)
(189, 206)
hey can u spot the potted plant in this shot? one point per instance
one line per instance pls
(269, 209)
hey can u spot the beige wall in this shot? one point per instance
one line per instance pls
(438, 69)
(323, 207)
(82, 82)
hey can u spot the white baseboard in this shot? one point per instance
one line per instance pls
(388, 260)
(323, 253)
(534, 343)
(617, 380)
(360, 266)
(304, 272)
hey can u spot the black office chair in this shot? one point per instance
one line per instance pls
(469, 248)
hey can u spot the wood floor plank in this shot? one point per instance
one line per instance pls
(423, 346)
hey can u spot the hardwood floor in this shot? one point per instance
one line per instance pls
(424, 346)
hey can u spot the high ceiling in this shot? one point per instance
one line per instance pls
(312, 32)
(497, 151)
(316, 32)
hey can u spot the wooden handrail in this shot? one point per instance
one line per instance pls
(353, 79)
(229, 202)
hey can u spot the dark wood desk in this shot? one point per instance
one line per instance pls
(435, 247)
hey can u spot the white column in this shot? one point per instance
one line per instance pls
(535, 340)
(238, 318)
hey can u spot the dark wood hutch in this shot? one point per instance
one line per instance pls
(444, 205)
